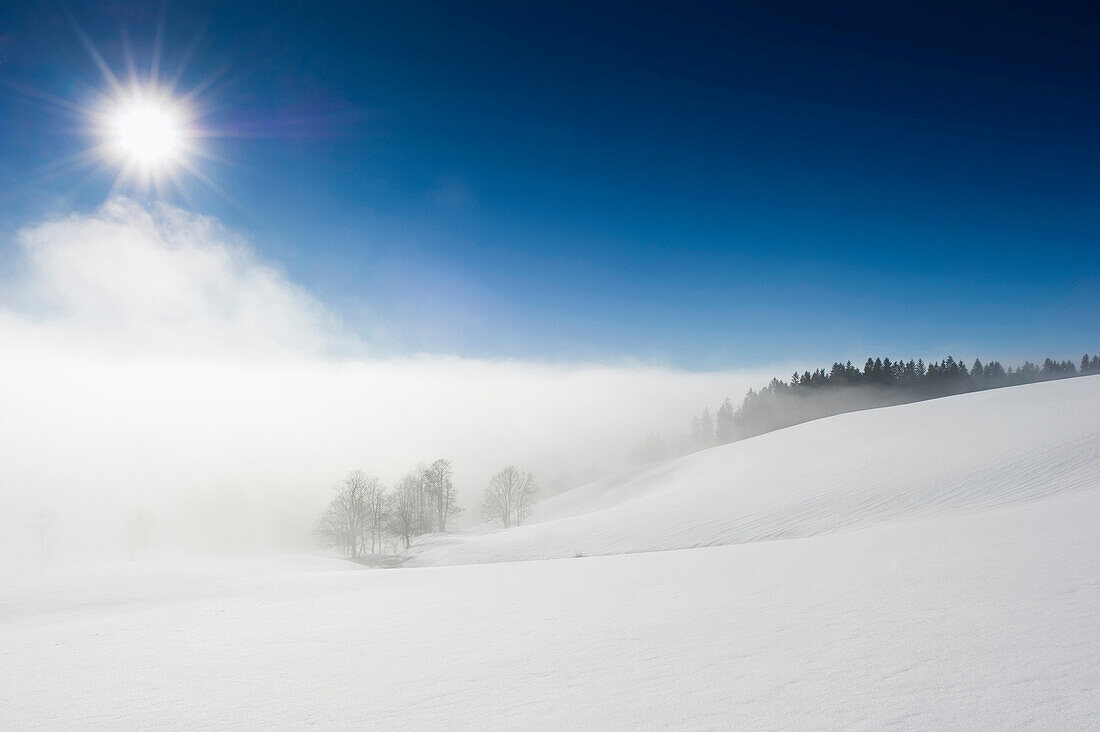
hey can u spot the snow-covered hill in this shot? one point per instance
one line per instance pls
(945, 456)
(941, 572)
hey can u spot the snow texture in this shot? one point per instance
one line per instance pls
(927, 566)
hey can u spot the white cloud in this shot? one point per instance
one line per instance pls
(152, 361)
(165, 279)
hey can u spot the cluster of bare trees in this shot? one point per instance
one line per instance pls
(364, 517)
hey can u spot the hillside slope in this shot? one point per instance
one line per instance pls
(945, 456)
(968, 599)
(978, 621)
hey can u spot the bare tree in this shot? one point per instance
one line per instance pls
(137, 532)
(336, 528)
(510, 496)
(375, 510)
(441, 490)
(404, 501)
(42, 526)
(424, 505)
(527, 495)
(342, 524)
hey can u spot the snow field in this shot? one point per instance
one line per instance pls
(927, 566)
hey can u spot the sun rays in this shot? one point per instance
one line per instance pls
(140, 127)
(146, 135)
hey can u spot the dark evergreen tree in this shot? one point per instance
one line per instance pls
(725, 429)
(882, 382)
(703, 430)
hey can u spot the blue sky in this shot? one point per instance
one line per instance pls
(700, 187)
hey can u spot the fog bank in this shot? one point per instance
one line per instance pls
(163, 388)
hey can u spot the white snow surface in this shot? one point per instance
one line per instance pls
(944, 456)
(934, 565)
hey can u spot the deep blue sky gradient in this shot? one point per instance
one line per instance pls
(710, 187)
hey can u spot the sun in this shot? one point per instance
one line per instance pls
(145, 129)
(149, 134)
(145, 133)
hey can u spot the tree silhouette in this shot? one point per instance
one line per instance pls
(882, 382)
